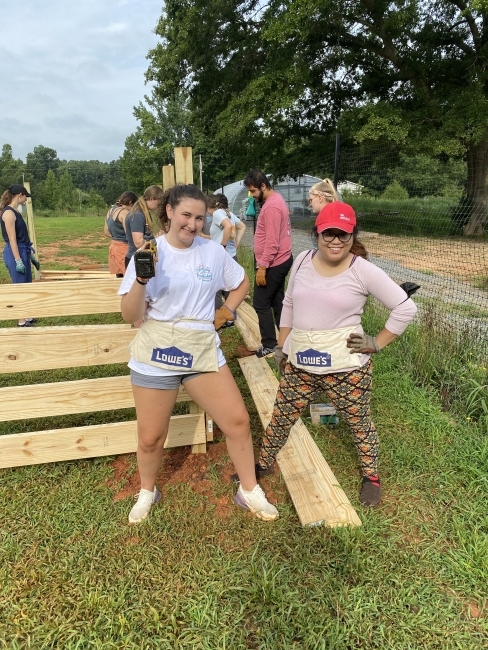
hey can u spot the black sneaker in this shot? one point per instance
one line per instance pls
(260, 473)
(264, 352)
(370, 491)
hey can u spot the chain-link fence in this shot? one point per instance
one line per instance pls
(411, 214)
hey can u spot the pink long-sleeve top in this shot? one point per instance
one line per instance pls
(272, 239)
(313, 302)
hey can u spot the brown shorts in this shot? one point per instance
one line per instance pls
(116, 257)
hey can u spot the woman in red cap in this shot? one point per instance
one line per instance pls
(18, 251)
(322, 347)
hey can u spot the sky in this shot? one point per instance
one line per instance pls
(72, 72)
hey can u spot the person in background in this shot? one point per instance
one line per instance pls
(320, 194)
(272, 252)
(138, 223)
(226, 229)
(178, 344)
(114, 227)
(18, 253)
(322, 347)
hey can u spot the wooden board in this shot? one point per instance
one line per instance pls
(74, 275)
(200, 448)
(248, 325)
(46, 348)
(67, 298)
(249, 311)
(252, 341)
(183, 165)
(315, 492)
(168, 177)
(93, 441)
(69, 397)
(32, 230)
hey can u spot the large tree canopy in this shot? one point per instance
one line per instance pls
(270, 81)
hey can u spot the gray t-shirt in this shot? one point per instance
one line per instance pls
(136, 223)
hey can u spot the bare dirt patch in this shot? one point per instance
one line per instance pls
(181, 466)
(463, 259)
(55, 252)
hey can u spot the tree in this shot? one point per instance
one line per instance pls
(11, 169)
(50, 191)
(164, 123)
(39, 162)
(271, 81)
(97, 202)
(67, 194)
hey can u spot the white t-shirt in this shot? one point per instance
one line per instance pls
(217, 229)
(185, 285)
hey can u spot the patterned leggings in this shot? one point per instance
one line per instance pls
(349, 392)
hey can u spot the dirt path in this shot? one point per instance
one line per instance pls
(447, 270)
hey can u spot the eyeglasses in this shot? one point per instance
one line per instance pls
(329, 236)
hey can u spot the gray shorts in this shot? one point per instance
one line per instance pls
(163, 383)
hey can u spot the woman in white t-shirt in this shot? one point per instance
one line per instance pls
(226, 229)
(178, 343)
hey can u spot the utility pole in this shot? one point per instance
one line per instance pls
(201, 171)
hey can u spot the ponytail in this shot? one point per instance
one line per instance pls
(325, 189)
(152, 192)
(6, 199)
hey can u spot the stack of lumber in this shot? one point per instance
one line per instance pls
(47, 348)
(314, 490)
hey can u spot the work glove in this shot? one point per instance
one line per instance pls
(362, 343)
(261, 276)
(280, 359)
(222, 316)
(19, 266)
(35, 262)
(410, 288)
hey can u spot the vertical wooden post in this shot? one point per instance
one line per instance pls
(184, 165)
(200, 448)
(168, 177)
(32, 230)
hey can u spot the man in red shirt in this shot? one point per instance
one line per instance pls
(272, 252)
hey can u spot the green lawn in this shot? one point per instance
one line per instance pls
(74, 574)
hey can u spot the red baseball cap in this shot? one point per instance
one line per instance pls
(336, 215)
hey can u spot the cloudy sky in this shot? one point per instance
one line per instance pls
(72, 72)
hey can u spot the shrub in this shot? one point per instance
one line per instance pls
(395, 191)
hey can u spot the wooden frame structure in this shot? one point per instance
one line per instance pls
(46, 348)
(315, 491)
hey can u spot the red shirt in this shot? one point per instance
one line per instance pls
(272, 239)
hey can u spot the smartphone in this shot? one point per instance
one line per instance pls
(144, 263)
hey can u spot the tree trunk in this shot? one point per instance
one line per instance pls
(477, 188)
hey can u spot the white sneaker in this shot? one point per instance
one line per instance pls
(145, 499)
(257, 503)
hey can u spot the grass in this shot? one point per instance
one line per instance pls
(74, 574)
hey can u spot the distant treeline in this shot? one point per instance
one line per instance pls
(63, 184)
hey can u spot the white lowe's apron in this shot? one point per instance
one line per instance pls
(321, 352)
(163, 345)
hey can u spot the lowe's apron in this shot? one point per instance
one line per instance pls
(163, 345)
(321, 352)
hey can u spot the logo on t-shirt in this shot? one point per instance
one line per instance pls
(203, 273)
(172, 356)
(314, 358)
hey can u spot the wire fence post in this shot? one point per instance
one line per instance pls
(336, 159)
